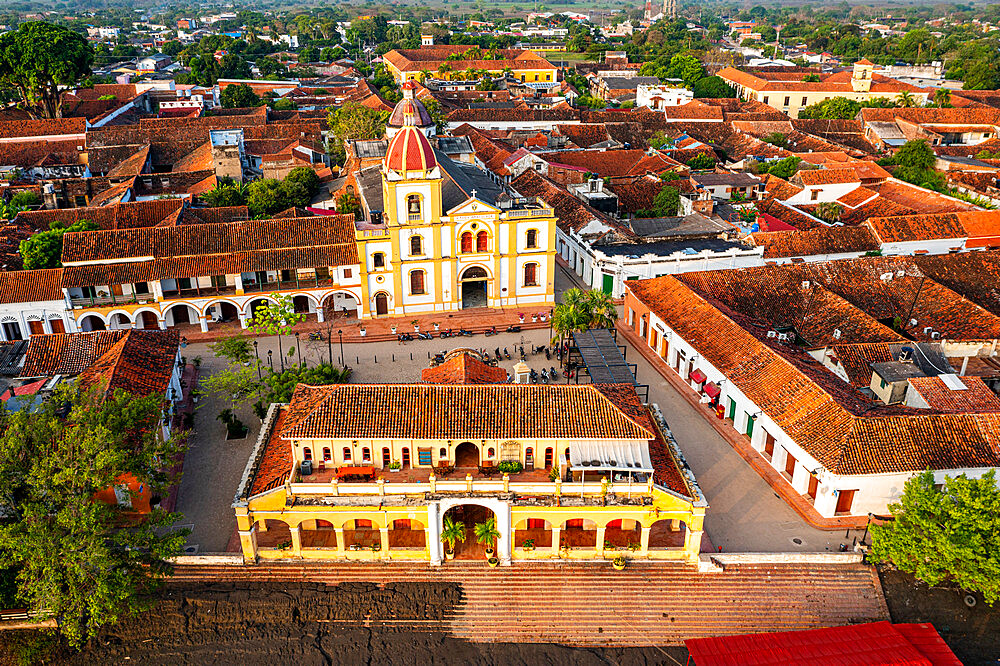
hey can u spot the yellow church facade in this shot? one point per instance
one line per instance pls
(437, 235)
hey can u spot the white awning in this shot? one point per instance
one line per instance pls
(618, 456)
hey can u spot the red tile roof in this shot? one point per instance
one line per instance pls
(463, 369)
(817, 241)
(141, 362)
(435, 411)
(31, 286)
(908, 228)
(844, 431)
(976, 397)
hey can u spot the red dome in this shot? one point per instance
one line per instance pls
(410, 150)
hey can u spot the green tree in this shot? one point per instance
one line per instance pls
(348, 203)
(916, 154)
(835, 108)
(665, 203)
(25, 199)
(306, 177)
(284, 104)
(701, 161)
(308, 54)
(172, 48)
(40, 62)
(713, 87)
(945, 535)
(44, 249)
(581, 310)
(239, 96)
(777, 139)
(452, 532)
(354, 121)
(232, 66)
(276, 317)
(225, 194)
(829, 211)
(279, 386)
(75, 562)
(978, 76)
(906, 100)
(783, 168)
(942, 98)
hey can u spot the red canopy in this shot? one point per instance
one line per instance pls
(874, 644)
(697, 376)
(712, 389)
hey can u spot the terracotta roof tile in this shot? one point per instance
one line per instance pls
(31, 286)
(435, 411)
(463, 369)
(844, 431)
(817, 241)
(976, 397)
(141, 362)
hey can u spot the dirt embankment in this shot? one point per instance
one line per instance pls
(973, 634)
(402, 624)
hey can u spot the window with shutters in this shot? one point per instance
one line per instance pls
(467, 242)
(510, 451)
(417, 282)
(531, 239)
(482, 241)
(531, 275)
(416, 245)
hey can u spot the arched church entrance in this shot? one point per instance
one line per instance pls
(474, 283)
(467, 516)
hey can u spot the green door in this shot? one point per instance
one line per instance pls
(750, 421)
(732, 410)
(609, 284)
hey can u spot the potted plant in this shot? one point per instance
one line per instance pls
(416, 326)
(528, 545)
(437, 325)
(452, 533)
(619, 563)
(393, 327)
(534, 318)
(492, 561)
(363, 332)
(520, 317)
(395, 466)
(487, 534)
(553, 474)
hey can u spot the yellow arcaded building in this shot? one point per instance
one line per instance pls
(432, 61)
(376, 472)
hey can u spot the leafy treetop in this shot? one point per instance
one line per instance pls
(39, 62)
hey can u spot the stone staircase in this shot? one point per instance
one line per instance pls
(589, 604)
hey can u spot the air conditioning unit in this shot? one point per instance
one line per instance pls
(836, 334)
(805, 284)
(772, 334)
(784, 336)
(885, 277)
(935, 335)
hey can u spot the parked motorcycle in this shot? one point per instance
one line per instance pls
(492, 330)
(533, 376)
(466, 333)
(315, 335)
(548, 354)
(513, 329)
(446, 333)
(552, 373)
(425, 336)
(404, 337)
(506, 354)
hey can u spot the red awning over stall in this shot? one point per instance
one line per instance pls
(712, 390)
(697, 376)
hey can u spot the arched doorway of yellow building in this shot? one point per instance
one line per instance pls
(475, 290)
(466, 455)
(469, 515)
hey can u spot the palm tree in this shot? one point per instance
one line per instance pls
(906, 100)
(942, 98)
(444, 69)
(581, 310)
(424, 75)
(452, 533)
(487, 534)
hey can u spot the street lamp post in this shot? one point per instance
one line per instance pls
(270, 360)
(258, 360)
(329, 344)
(340, 334)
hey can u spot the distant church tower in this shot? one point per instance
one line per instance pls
(670, 9)
(648, 15)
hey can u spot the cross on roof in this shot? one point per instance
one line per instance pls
(473, 194)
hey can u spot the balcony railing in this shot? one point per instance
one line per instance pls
(529, 212)
(197, 292)
(287, 285)
(110, 300)
(575, 489)
(414, 217)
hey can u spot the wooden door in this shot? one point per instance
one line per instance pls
(845, 500)
(381, 304)
(36, 326)
(768, 445)
(789, 464)
(813, 486)
(57, 325)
